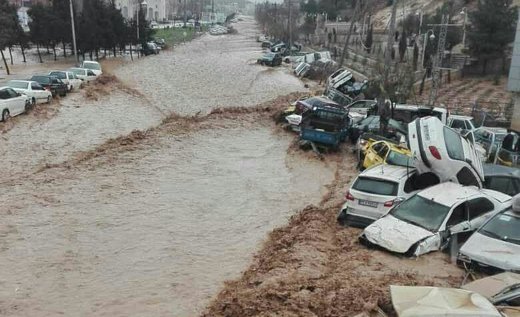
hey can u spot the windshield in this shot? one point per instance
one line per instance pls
(41, 79)
(94, 66)
(421, 212)
(375, 186)
(503, 227)
(17, 84)
(78, 71)
(270, 55)
(400, 159)
(499, 137)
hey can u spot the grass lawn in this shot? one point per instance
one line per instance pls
(176, 35)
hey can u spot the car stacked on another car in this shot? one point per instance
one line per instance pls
(31, 89)
(439, 149)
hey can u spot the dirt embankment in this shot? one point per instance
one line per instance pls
(314, 267)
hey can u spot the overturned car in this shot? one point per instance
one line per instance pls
(427, 221)
(443, 151)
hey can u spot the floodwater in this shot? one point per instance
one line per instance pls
(153, 230)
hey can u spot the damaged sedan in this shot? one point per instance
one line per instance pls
(427, 221)
(439, 149)
(495, 246)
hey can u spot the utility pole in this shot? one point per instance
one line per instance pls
(73, 31)
(185, 16)
(349, 34)
(290, 28)
(437, 62)
(390, 41)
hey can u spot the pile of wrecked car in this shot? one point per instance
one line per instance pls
(427, 183)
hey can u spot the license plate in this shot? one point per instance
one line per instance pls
(368, 203)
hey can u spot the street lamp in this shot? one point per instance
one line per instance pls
(73, 31)
(140, 3)
(464, 12)
(432, 37)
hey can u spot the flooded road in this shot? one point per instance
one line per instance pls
(148, 227)
(209, 72)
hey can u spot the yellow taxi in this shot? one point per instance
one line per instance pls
(384, 152)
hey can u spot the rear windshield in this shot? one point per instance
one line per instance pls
(375, 186)
(453, 144)
(503, 227)
(41, 79)
(18, 84)
(60, 75)
(78, 71)
(91, 66)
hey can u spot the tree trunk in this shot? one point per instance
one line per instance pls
(484, 66)
(114, 51)
(64, 50)
(5, 62)
(39, 54)
(131, 56)
(97, 54)
(10, 54)
(48, 50)
(421, 87)
(54, 51)
(90, 53)
(23, 52)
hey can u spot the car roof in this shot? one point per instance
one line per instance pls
(57, 71)
(500, 170)
(86, 62)
(388, 172)
(449, 193)
(22, 81)
(4, 87)
(493, 129)
(456, 116)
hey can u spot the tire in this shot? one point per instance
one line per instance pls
(5, 115)
(33, 101)
(49, 99)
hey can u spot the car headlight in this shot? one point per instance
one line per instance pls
(464, 258)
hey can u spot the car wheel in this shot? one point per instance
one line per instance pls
(33, 101)
(49, 99)
(5, 115)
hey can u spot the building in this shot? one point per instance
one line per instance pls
(155, 9)
(514, 80)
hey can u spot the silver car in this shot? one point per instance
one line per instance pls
(495, 246)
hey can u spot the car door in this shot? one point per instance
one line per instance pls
(479, 210)
(4, 101)
(371, 154)
(457, 226)
(17, 103)
(36, 91)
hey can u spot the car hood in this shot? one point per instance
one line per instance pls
(493, 252)
(395, 235)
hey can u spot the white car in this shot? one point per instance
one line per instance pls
(12, 103)
(501, 289)
(496, 245)
(444, 152)
(68, 78)
(93, 66)
(86, 75)
(427, 221)
(461, 123)
(31, 89)
(375, 191)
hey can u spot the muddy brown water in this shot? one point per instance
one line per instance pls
(152, 231)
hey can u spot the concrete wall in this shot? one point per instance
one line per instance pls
(514, 79)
